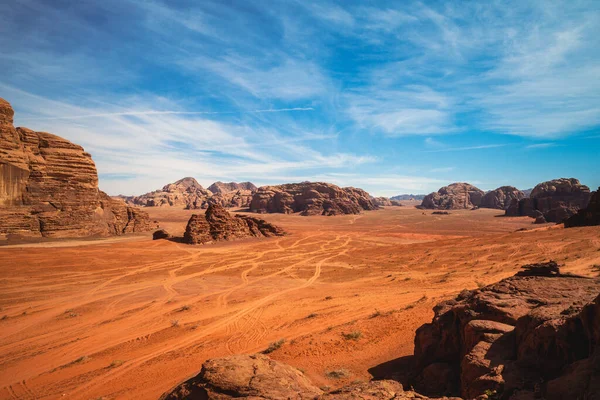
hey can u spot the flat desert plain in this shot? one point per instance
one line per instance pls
(130, 318)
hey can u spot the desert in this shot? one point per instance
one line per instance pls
(299, 200)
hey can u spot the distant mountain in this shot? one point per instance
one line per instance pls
(527, 192)
(222, 187)
(408, 197)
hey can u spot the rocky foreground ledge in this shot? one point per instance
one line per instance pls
(532, 336)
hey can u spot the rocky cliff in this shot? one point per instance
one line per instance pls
(534, 335)
(501, 197)
(557, 200)
(49, 188)
(454, 196)
(218, 224)
(311, 198)
(588, 216)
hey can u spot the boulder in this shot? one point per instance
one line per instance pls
(501, 197)
(218, 224)
(311, 198)
(523, 336)
(245, 376)
(588, 216)
(556, 200)
(160, 234)
(454, 196)
(49, 188)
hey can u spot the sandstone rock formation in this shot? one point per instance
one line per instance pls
(184, 193)
(49, 188)
(525, 337)
(454, 196)
(160, 234)
(218, 224)
(588, 216)
(385, 202)
(501, 197)
(222, 188)
(260, 378)
(189, 194)
(557, 200)
(311, 198)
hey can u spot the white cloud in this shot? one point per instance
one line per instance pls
(416, 110)
(156, 148)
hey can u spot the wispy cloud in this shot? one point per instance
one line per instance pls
(466, 148)
(155, 112)
(162, 147)
(540, 145)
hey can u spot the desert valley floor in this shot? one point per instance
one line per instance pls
(131, 317)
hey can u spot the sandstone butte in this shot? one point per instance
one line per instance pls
(554, 200)
(189, 194)
(218, 224)
(535, 335)
(385, 202)
(588, 216)
(501, 197)
(455, 196)
(311, 198)
(49, 188)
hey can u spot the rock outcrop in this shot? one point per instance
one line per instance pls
(501, 197)
(588, 216)
(454, 196)
(557, 200)
(222, 187)
(260, 378)
(49, 188)
(218, 224)
(311, 198)
(385, 202)
(189, 194)
(534, 335)
(160, 234)
(184, 193)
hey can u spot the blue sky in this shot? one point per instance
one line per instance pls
(393, 97)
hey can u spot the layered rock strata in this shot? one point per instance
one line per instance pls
(49, 188)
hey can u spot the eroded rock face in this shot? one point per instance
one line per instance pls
(311, 198)
(454, 196)
(588, 216)
(501, 197)
(49, 188)
(385, 202)
(259, 377)
(532, 335)
(222, 187)
(557, 200)
(218, 224)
